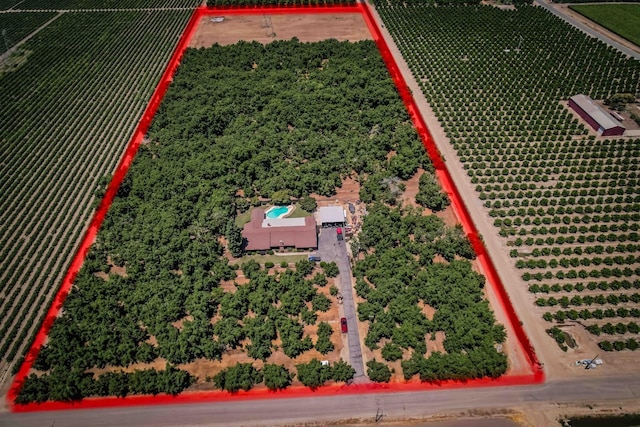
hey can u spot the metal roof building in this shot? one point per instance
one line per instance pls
(331, 216)
(596, 116)
(263, 233)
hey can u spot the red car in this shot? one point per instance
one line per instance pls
(343, 325)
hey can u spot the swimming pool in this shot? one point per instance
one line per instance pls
(277, 212)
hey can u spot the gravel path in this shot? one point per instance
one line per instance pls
(330, 249)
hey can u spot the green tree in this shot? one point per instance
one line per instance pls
(313, 374)
(342, 371)
(324, 344)
(308, 203)
(276, 377)
(391, 352)
(330, 269)
(234, 238)
(378, 372)
(242, 376)
(430, 193)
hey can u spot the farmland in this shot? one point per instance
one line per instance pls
(19, 25)
(316, 113)
(564, 202)
(68, 111)
(622, 19)
(102, 4)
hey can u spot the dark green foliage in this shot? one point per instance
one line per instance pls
(276, 377)
(378, 372)
(313, 374)
(308, 203)
(399, 282)
(293, 344)
(330, 268)
(261, 331)
(430, 193)
(605, 345)
(478, 363)
(324, 344)
(619, 101)
(304, 267)
(233, 234)
(17, 26)
(320, 302)
(71, 385)
(341, 371)
(391, 352)
(320, 279)
(242, 376)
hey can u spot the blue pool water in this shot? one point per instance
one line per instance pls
(277, 212)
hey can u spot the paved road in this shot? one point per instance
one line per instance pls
(332, 249)
(558, 12)
(323, 409)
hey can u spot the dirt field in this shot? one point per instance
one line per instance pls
(267, 28)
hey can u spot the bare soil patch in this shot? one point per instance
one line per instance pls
(408, 197)
(267, 28)
(349, 191)
(436, 344)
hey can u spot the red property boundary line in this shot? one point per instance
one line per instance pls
(536, 376)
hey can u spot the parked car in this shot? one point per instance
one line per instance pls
(343, 325)
(339, 233)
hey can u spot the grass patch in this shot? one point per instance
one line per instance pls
(622, 19)
(276, 259)
(298, 212)
(243, 218)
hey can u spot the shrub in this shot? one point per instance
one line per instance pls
(391, 352)
(276, 377)
(378, 372)
(242, 376)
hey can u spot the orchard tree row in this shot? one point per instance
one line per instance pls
(585, 314)
(71, 106)
(102, 4)
(580, 287)
(16, 26)
(314, 374)
(498, 81)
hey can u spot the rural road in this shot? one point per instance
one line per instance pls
(331, 249)
(323, 409)
(587, 30)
